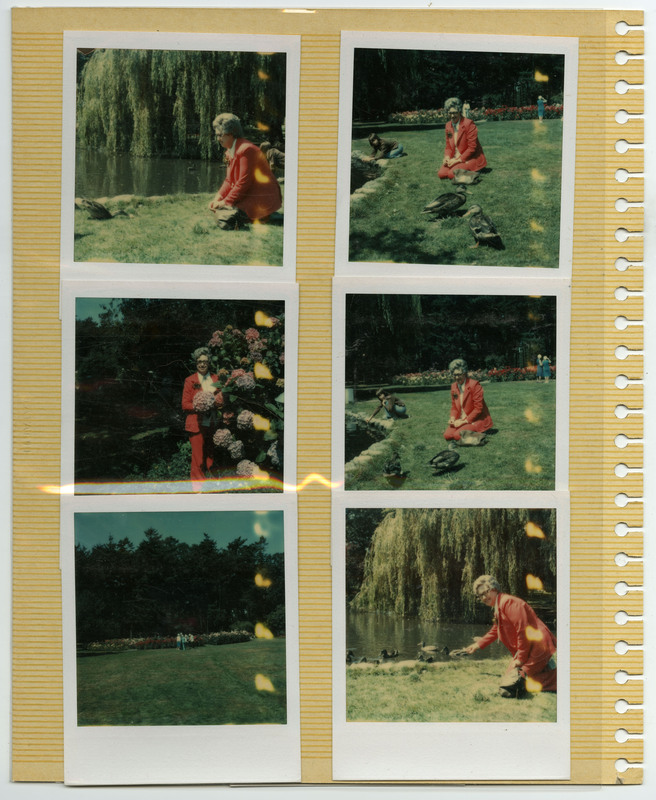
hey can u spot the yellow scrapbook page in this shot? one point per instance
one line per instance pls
(323, 485)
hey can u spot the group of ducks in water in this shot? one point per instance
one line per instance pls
(448, 204)
(428, 653)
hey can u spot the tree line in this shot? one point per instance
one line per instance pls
(162, 102)
(388, 335)
(162, 586)
(390, 80)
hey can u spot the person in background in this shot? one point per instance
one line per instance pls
(384, 148)
(541, 102)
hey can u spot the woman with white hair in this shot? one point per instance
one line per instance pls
(198, 401)
(519, 629)
(469, 411)
(462, 149)
(250, 187)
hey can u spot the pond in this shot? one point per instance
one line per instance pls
(99, 174)
(368, 634)
(359, 437)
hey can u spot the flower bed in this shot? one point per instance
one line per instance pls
(164, 642)
(433, 377)
(439, 115)
(504, 113)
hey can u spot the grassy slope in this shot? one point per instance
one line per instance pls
(458, 691)
(521, 194)
(520, 456)
(202, 686)
(178, 229)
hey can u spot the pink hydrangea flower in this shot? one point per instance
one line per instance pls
(222, 438)
(245, 420)
(216, 340)
(251, 334)
(203, 402)
(245, 469)
(219, 400)
(246, 381)
(236, 450)
(228, 417)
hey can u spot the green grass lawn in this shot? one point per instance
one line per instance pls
(201, 686)
(521, 194)
(457, 691)
(519, 456)
(177, 229)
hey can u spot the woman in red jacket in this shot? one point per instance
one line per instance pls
(462, 150)
(468, 409)
(519, 629)
(250, 186)
(200, 422)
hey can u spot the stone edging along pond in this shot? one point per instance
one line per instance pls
(379, 448)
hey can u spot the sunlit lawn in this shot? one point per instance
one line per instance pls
(457, 691)
(177, 229)
(519, 456)
(520, 193)
(212, 685)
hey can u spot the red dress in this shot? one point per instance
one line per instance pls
(200, 436)
(527, 638)
(472, 156)
(473, 404)
(250, 185)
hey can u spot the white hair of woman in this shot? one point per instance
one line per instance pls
(484, 583)
(228, 123)
(453, 102)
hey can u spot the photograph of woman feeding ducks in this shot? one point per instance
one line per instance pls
(443, 392)
(180, 156)
(456, 157)
(451, 615)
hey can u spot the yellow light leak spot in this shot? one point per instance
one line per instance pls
(261, 423)
(532, 468)
(533, 634)
(531, 416)
(532, 685)
(534, 583)
(262, 632)
(263, 320)
(259, 176)
(535, 226)
(263, 684)
(262, 582)
(263, 76)
(262, 372)
(541, 77)
(538, 176)
(534, 531)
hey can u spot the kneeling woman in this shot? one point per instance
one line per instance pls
(250, 186)
(468, 409)
(462, 149)
(198, 404)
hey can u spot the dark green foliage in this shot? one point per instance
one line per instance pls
(162, 586)
(391, 80)
(162, 102)
(395, 334)
(423, 562)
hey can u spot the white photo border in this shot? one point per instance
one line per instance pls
(451, 751)
(560, 289)
(217, 290)
(178, 754)
(132, 40)
(351, 40)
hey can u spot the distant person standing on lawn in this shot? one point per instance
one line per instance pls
(541, 102)
(538, 366)
(531, 644)
(462, 149)
(466, 110)
(384, 148)
(546, 368)
(468, 409)
(250, 191)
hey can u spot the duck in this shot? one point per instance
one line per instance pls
(471, 439)
(423, 657)
(98, 210)
(465, 177)
(444, 460)
(446, 204)
(429, 648)
(384, 654)
(483, 229)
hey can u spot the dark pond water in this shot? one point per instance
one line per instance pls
(359, 438)
(101, 175)
(368, 634)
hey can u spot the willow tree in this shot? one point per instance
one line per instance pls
(423, 562)
(162, 102)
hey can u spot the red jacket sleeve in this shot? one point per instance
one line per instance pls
(489, 638)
